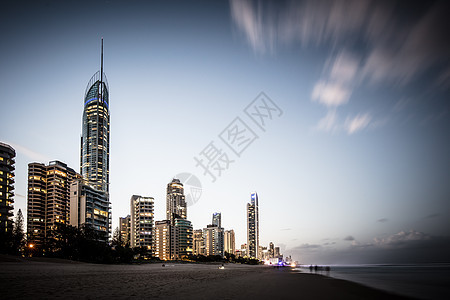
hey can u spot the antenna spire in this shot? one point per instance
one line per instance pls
(101, 74)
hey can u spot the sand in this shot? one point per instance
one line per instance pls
(50, 279)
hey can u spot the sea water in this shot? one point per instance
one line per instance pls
(423, 281)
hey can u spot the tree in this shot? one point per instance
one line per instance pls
(18, 235)
(117, 238)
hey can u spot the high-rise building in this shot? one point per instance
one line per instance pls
(181, 242)
(161, 240)
(271, 250)
(213, 239)
(277, 252)
(48, 201)
(176, 204)
(197, 242)
(94, 156)
(217, 219)
(229, 241)
(124, 228)
(7, 155)
(253, 227)
(141, 223)
(91, 208)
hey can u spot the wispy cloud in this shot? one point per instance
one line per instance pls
(32, 155)
(349, 238)
(382, 220)
(357, 123)
(397, 49)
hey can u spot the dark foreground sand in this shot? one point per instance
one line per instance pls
(48, 279)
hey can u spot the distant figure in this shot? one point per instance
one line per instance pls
(327, 268)
(315, 268)
(310, 268)
(163, 265)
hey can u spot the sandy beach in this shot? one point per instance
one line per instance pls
(50, 279)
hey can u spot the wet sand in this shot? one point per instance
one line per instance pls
(50, 279)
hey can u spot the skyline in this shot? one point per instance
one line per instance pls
(357, 163)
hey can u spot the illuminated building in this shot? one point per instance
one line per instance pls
(228, 241)
(213, 239)
(92, 206)
(197, 242)
(277, 253)
(48, 200)
(94, 158)
(7, 155)
(161, 240)
(271, 250)
(253, 227)
(176, 204)
(124, 228)
(181, 242)
(217, 219)
(141, 222)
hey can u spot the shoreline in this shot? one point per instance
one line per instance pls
(54, 279)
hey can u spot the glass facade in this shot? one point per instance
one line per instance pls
(253, 227)
(95, 134)
(7, 155)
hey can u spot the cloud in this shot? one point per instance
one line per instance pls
(285, 229)
(382, 220)
(29, 153)
(329, 122)
(402, 247)
(357, 123)
(371, 43)
(330, 93)
(401, 239)
(349, 238)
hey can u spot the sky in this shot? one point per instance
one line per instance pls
(336, 113)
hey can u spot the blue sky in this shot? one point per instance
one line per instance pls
(354, 170)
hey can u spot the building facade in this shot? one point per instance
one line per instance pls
(229, 241)
(161, 240)
(124, 228)
(213, 239)
(197, 242)
(141, 222)
(182, 239)
(217, 219)
(253, 227)
(48, 199)
(7, 161)
(176, 205)
(94, 156)
(91, 208)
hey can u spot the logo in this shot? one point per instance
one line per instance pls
(192, 187)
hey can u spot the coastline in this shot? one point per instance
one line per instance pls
(49, 278)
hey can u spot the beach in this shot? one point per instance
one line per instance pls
(53, 278)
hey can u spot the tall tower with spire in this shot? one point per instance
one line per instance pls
(94, 158)
(89, 197)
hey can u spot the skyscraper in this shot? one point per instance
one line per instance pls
(7, 155)
(141, 221)
(253, 227)
(229, 242)
(197, 242)
(217, 219)
(94, 158)
(90, 197)
(48, 199)
(176, 204)
(213, 239)
(161, 240)
(124, 228)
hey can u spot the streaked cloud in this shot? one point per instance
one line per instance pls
(382, 220)
(369, 42)
(353, 125)
(32, 155)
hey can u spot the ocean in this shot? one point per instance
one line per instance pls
(422, 281)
